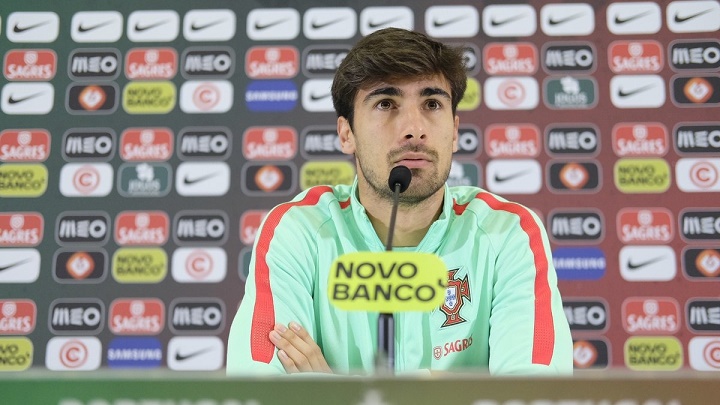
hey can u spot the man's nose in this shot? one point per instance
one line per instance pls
(413, 125)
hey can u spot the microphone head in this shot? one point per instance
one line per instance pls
(400, 175)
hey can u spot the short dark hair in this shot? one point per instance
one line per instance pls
(394, 54)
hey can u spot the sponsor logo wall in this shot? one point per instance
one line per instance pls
(141, 146)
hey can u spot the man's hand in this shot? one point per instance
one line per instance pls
(297, 351)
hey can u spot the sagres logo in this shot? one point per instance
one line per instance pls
(139, 265)
(265, 62)
(208, 62)
(269, 179)
(574, 176)
(195, 353)
(206, 97)
(701, 263)
(146, 144)
(94, 64)
(704, 353)
(452, 347)
(265, 24)
(582, 139)
(513, 20)
(316, 95)
(695, 55)
(703, 315)
(80, 266)
(17, 317)
(250, 224)
(24, 145)
(637, 91)
(204, 143)
(645, 226)
(635, 57)
(642, 175)
(197, 315)
(651, 316)
(86, 179)
(653, 353)
(579, 263)
(144, 179)
(27, 98)
(320, 141)
(694, 16)
(696, 91)
(19, 265)
(16, 353)
(134, 352)
(76, 316)
(153, 26)
(200, 227)
(30, 64)
(586, 315)
(511, 93)
(82, 227)
(699, 224)
(567, 19)
(73, 353)
(199, 265)
(145, 228)
(698, 175)
(513, 176)
(209, 25)
(642, 139)
(330, 23)
(326, 172)
(202, 178)
(590, 353)
(136, 316)
(376, 18)
(576, 226)
(452, 21)
(512, 58)
(469, 141)
(33, 26)
(461, 174)
(152, 97)
(647, 263)
(151, 63)
(518, 140)
(92, 99)
(570, 92)
(270, 143)
(96, 26)
(88, 144)
(456, 295)
(569, 57)
(18, 229)
(634, 18)
(23, 180)
(697, 138)
(471, 98)
(322, 60)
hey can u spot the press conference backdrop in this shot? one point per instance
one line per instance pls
(143, 141)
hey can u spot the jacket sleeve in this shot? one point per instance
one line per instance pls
(279, 289)
(529, 333)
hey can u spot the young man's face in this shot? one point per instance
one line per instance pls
(408, 123)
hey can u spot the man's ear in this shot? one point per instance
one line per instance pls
(456, 128)
(347, 138)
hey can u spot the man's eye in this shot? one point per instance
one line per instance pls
(433, 104)
(385, 105)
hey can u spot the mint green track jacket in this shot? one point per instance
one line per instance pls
(502, 313)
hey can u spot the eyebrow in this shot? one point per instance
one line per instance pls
(394, 91)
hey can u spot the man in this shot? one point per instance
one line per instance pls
(396, 95)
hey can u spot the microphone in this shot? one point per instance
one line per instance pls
(398, 181)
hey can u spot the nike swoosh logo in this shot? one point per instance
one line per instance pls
(182, 357)
(316, 97)
(679, 19)
(317, 25)
(553, 21)
(10, 266)
(502, 179)
(139, 28)
(18, 29)
(82, 28)
(373, 24)
(187, 180)
(12, 100)
(635, 266)
(619, 20)
(623, 93)
(438, 24)
(497, 23)
(259, 26)
(194, 27)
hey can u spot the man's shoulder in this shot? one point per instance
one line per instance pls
(486, 205)
(319, 202)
